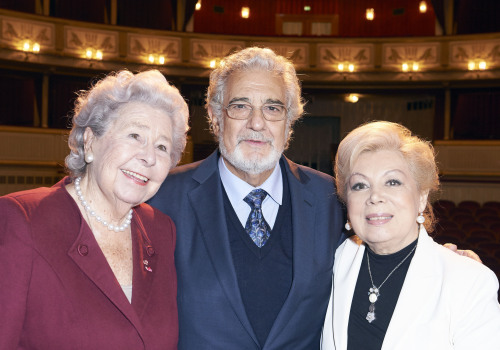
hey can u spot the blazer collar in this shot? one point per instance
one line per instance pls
(303, 203)
(419, 290)
(207, 203)
(86, 253)
(348, 260)
(416, 293)
(145, 267)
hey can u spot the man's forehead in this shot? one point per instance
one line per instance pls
(260, 85)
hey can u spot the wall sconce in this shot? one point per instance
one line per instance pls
(370, 14)
(245, 12)
(307, 8)
(405, 67)
(422, 7)
(342, 66)
(214, 62)
(477, 65)
(158, 59)
(27, 46)
(352, 98)
(197, 7)
(93, 54)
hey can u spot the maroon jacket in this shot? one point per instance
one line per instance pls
(57, 290)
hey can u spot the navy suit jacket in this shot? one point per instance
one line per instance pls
(211, 311)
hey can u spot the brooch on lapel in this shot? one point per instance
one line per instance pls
(146, 267)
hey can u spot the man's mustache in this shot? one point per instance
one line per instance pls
(254, 136)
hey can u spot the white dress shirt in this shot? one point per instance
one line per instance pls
(237, 190)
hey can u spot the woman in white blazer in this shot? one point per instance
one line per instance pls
(393, 286)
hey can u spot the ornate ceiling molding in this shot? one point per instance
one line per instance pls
(204, 50)
(462, 52)
(426, 54)
(16, 31)
(331, 55)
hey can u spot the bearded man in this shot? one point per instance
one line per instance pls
(256, 233)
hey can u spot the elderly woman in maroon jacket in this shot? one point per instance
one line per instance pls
(85, 264)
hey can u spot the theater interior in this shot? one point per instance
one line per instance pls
(433, 66)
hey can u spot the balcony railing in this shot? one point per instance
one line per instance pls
(57, 42)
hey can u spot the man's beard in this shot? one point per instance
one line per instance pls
(256, 165)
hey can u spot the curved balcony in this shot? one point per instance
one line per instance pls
(60, 44)
(431, 66)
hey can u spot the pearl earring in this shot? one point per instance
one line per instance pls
(89, 158)
(421, 218)
(348, 226)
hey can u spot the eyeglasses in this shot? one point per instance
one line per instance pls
(242, 111)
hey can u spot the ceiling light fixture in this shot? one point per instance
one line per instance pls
(245, 12)
(370, 14)
(422, 7)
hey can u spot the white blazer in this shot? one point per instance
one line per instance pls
(447, 301)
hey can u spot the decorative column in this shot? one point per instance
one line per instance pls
(45, 101)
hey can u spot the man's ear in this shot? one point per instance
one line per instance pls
(214, 122)
(88, 138)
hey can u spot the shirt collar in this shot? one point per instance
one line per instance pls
(237, 189)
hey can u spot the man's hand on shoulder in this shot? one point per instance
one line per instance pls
(467, 253)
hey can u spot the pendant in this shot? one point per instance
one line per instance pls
(373, 295)
(370, 316)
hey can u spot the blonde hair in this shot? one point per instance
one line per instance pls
(382, 135)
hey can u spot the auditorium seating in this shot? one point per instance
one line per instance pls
(470, 225)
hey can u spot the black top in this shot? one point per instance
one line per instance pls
(264, 274)
(363, 335)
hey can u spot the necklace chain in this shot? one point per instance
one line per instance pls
(92, 213)
(374, 291)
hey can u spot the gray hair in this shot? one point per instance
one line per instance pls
(382, 135)
(94, 109)
(247, 60)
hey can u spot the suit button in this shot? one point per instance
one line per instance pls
(83, 250)
(150, 250)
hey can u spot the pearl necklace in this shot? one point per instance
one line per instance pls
(374, 291)
(99, 219)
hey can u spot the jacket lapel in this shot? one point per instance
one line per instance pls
(145, 263)
(419, 289)
(87, 254)
(207, 203)
(303, 208)
(345, 276)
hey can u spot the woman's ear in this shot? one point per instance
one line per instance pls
(423, 201)
(88, 138)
